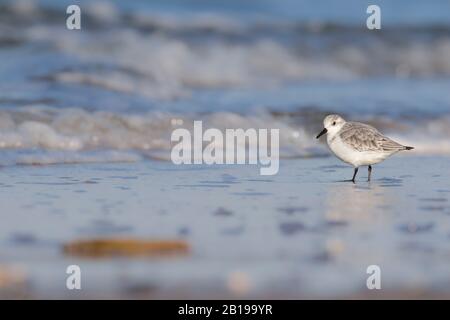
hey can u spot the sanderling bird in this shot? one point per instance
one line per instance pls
(357, 143)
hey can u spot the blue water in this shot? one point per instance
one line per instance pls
(287, 62)
(408, 12)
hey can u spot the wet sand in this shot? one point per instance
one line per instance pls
(303, 233)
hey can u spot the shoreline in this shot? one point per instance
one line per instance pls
(301, 233)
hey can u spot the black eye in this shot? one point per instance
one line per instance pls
(334, 123)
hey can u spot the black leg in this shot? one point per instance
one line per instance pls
(370, 173)
(354, 175)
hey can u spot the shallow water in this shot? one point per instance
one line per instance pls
(303, 233)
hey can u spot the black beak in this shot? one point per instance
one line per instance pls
(322, 133)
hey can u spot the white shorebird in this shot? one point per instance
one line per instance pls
(357, 143)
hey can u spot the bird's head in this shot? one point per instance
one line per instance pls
(331, 124)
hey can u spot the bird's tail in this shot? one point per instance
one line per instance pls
(408, 148)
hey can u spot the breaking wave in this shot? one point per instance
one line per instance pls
(76, 135)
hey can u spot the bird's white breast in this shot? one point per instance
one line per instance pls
(352, 156)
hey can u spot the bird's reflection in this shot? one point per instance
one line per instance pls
(363, 203)
(363, 210)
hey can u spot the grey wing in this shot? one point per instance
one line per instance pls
(363, 137)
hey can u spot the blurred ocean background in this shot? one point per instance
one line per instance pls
(115, 90)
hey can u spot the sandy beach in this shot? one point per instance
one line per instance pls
(300, 234)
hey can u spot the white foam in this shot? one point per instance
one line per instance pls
(77, 132)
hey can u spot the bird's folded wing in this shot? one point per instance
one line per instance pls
(363, 137)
